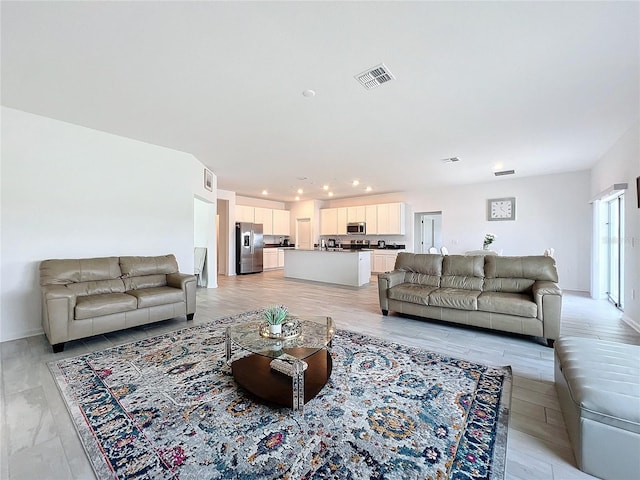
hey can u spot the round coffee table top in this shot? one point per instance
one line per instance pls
(317, 332)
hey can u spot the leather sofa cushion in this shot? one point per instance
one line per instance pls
(424, 269)
(412, 293)
(104, 304)
(461, 282)
(150, 297)
(148, 281)
(509, 285)
(603, 379)
(463, 265)
(531, 267)
(98, 287)
(62, 272)
(140, 266)
(454, 298)
(518, 304)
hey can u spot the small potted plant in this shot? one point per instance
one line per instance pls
(488, 240)
(275, 315)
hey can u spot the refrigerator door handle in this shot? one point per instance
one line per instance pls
(251, 245)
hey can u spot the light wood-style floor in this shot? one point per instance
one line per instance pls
(38, 440)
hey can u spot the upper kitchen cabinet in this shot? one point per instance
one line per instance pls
(371, 219)
(245, 214)
(333, 221)
(265, 217)
(391, 219)
(356, 214)
(342, 221)
(328, 221)
(282, 222)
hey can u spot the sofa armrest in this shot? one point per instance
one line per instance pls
(385, 282)
(58, 304)
(548, 298)
(187, 283)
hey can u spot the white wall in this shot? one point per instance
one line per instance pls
(551, 211)
(621, 164)
(73, 192)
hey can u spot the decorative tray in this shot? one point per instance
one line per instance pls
(290, 329)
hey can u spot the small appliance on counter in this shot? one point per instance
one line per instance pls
(382, 244)
(331, 243)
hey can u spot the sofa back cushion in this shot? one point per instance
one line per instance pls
(98, 287)
(141, 266)
(147, 281)
(462, 271)
(419, 268)
(63, 272)
(517, 274)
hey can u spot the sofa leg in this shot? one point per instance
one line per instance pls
(550, 342)
(58, 347)
(385, 312)
(190, 316)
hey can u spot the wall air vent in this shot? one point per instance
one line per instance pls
(504, 172)
(450, 160)
(374, 76)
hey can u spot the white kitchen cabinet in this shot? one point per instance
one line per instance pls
(280, 258)
(356, 214)
(281, 222)
(245, 213)
(328, 221)
(265, 217)
(384, 260)
(371, 218)
(269, 258)
(342, 221)
(391, 219)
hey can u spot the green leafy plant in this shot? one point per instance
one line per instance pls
(276, 314)
(489, 238)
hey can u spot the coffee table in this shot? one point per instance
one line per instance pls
(306, 356)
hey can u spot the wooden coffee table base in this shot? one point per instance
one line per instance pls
(254, 374)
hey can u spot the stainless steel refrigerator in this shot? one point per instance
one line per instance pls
(249, 245)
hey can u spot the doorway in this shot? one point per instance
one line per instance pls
(303, 234)
(428, 228)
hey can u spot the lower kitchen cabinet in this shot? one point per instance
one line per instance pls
(384, 260)
(269, 258)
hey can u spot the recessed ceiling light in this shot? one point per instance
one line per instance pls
(331, 194)
(369, 189)
(498, 166)
(309, 93)
(264, 192)
(297, 198)
(356, 183)
(300, 191)
(325, 187)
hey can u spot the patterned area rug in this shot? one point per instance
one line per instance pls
(168, 407)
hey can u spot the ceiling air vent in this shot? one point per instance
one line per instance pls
(374, 76)
(504, 172)
(450, 160)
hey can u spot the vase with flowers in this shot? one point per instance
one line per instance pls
(275, 316)
(489, 238)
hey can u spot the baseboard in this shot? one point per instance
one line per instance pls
(631, 322)
(24, 334)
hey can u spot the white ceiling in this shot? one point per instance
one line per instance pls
(538, 87)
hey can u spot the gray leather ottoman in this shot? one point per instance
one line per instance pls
(598, 384)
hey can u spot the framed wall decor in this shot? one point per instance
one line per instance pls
(208, 180)
(499, 209)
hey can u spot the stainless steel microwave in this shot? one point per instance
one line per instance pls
(356, 228)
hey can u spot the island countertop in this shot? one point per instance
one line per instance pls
(329, 266)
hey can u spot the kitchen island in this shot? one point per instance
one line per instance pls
(342, 267)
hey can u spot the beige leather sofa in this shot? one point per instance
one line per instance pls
(512, 294)
(90, 296)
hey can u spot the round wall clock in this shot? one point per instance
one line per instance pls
(501, 209)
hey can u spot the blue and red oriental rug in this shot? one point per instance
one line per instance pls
(168, 408)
